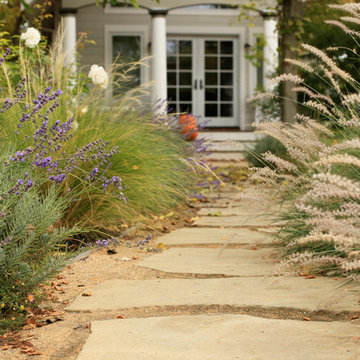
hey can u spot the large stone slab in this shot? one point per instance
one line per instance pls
(215, 337)
(298, 293)
(235, 146)
(196, 236)
(213, 261)
(226, 156)
(231, 211)
(234, 221)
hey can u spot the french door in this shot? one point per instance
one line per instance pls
(202, 78)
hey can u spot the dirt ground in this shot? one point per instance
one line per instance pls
(60, 335)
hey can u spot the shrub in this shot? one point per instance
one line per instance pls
(264, 144)
(322, 180)
(151, 157)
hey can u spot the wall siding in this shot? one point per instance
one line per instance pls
(92, 20)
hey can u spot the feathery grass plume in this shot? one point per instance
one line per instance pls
(287, 77)
(328, 61)
(343, 27)
(319, 174)
(313, 95)
(299, 64)
(333, 239)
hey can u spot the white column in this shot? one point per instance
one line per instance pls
(271, 56)
(158, 61)
(69, 41)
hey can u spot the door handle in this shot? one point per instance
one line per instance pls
(195, 84)
(201, 84)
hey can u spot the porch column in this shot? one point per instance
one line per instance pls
(68, 16)
(158, 61)
(271, 56)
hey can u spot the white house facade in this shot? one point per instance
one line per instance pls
(197, 52)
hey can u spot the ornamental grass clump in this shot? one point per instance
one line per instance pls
(152, 158)
(319, 177)
(36, 166)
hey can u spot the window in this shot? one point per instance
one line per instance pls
(126, 50)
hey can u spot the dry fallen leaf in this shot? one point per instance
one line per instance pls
(160, 246)
(310, 277)
(354, 317)
(120, 317)
(86, 294)
(219, 213)
(306, 318)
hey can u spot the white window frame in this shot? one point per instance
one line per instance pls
(127, 30)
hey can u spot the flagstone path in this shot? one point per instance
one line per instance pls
(227, 264)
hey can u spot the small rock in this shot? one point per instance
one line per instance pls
(124, 258)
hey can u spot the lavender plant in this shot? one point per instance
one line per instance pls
(320, 176)
(34, 195)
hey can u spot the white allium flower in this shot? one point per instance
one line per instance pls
(32, 37)
(99, 76)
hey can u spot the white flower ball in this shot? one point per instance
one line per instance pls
(32, 37)
(99, 76)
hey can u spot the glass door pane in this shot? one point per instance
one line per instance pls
(180, 75)
(219, 80)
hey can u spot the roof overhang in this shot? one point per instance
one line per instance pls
(170, 4)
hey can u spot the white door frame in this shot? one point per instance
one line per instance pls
(218, 31)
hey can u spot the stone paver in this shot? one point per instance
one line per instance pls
(213, 261)
(251, 284)
(297, 293)
(233, 221)
(194, 236)
(227, 156)
(231, 211)
(220, 337)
